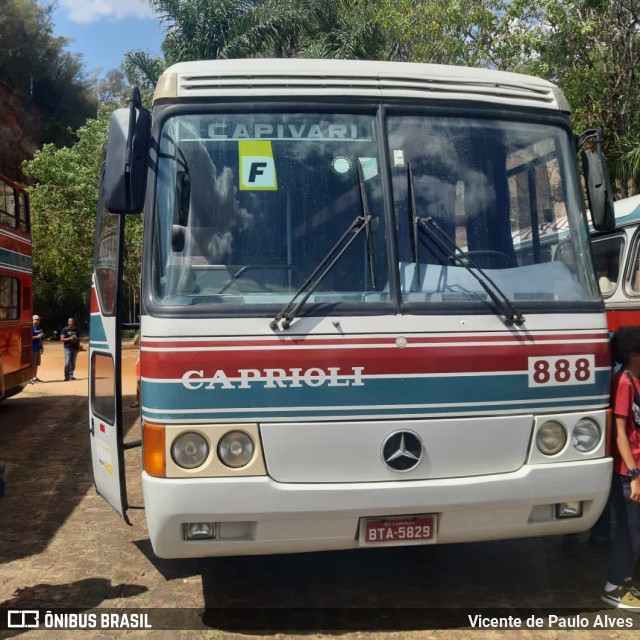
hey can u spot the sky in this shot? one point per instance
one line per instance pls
(104, 30)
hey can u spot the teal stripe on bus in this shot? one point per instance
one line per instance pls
(423, 396)
(96, 329)
(13, 260)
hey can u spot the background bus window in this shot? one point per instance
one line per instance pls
(633, 282)
(8, 205)
(9, 298)
(538, 209)
(23, 212)
(607, 256)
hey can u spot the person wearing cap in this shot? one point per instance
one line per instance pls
(36, 348)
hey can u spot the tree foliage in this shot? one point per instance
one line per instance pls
(35, 66)
(591, 49)
(213, 29)
(442, 31)
(64, 200)
(63, 205)
(347, 29)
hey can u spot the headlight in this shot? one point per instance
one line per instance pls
(235, 449)
(551, 438)
(586, 435)
(189, 450)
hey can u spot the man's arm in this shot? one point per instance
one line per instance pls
(624, 448)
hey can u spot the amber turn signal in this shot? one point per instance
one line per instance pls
(154, 449)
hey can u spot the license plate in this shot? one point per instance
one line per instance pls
(398, 530)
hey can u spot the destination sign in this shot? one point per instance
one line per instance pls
(221, 130)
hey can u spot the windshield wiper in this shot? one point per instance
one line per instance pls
(448, 245)
(364, 206)
(360, 222)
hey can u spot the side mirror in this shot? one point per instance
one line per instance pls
(598, 184)
(125, 168)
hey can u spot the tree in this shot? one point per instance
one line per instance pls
(347, 29)
(213, 29)
(63, 205)
(113, 88)
(194, 30)
(64, 200)
(441, 31)
(591, 48)
(43, 90)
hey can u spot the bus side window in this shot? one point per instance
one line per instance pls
(635, 275)
(607, 255)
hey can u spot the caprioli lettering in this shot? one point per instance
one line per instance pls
(273, 378)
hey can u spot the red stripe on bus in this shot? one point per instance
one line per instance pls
(14, 244)
(95, 307)
(617, 318)
(394, 361)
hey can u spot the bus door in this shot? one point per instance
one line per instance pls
(122, 189)
(105, 363)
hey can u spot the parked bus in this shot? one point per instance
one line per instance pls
(617, 262)
(342, 342)
(15, 288)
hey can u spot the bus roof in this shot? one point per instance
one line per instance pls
(262, 77)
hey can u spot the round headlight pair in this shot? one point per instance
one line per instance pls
(552, 437)
(190, 450)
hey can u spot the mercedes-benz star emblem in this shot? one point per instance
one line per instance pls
(402, 451)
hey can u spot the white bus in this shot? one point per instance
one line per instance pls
(341, 346)
(617, 262)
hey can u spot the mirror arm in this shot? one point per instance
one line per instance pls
(136, 103)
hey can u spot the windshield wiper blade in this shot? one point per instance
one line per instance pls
(360, 222)
(364, 206)
(497, 295)
(448, 245)
(413, 221)
(290, 311)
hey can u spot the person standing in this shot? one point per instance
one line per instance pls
(36, 348)
(620, 590)
(70, 336)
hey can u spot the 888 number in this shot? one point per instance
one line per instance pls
(551, 371)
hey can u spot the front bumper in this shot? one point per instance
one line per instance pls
(260, 516)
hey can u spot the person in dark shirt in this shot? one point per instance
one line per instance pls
(70, 336)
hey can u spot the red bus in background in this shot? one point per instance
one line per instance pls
(16, 273)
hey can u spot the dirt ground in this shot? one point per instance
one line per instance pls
(62, 547)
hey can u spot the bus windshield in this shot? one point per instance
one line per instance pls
(248, 205)
(503, 196)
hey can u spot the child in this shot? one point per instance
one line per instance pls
(625, 487)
